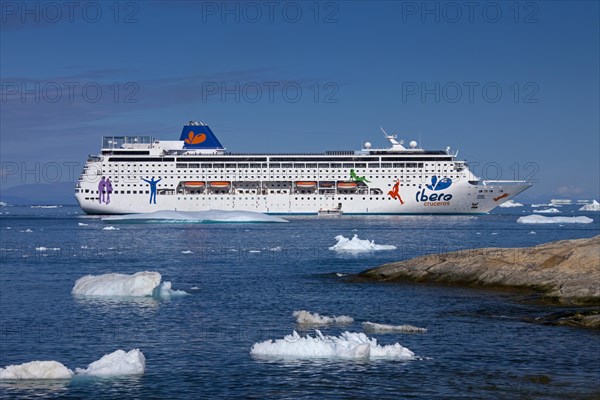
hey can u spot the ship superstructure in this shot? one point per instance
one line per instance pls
(134, 174)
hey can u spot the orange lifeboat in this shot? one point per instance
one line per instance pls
(346, 185)
(306, 185)
(194, 184)
(219, 184)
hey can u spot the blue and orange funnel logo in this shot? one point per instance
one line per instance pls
(198, 136)
(195, 138)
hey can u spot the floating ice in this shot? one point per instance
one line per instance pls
(593, 206)
(117, 363)
(339, 274)
(45, 206)
(3, 204)
(532, 233)
(210, 216)
(383, 328)
(547, 211)
(540, 219)
(510, 203)
(27, 231)
(140, 284)
(352, 346)
(110, 228)
(304, 317)
(540, 205)
(42, 248)
(356, 245)
(36, 370)
(82, 224)
(187, 252)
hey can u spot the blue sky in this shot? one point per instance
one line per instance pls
(513, 86)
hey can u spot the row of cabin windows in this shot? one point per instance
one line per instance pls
(295, 166)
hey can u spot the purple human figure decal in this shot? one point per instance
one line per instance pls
(109, 190)
(101, 189)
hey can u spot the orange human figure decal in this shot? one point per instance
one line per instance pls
(394, 193)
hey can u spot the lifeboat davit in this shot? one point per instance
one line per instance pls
(219, 184)
(347, 185)
(306, 185)
(194, 184)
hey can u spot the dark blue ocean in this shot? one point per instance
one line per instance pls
(245, 280)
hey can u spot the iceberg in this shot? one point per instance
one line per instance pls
(547, 211)
(140, 284)
(510, 203)
(304, 317)
(540, 219)
(210, 216)
(348, 346)
(117, 363)
(36, 370)
(356, 245)
(383, 328)
(593, 206)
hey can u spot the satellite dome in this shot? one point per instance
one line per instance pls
(413, 144)
(367, 145)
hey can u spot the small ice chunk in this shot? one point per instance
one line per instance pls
(187, 252)
(110, 228)
(593, 206)
(350, 346)
(532, 233)
(117, 363)
(36, 370)
(356, 245)
(510, 204)
(140, 284)
(304, 317)
(42, 248)
(383, 328)
(540, 219)
(82, 224)
(547, 211)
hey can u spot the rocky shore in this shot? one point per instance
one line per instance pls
(566, 272)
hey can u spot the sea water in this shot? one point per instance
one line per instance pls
(244, 283)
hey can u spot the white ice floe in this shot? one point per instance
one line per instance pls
(540, 219)
(373, 327)
(304, 317)
(510, 203)
(117, 363)
(540, 205)
(349, 345)
(110, 228)
(26, 231)
(42, 248)
(339, 274)
(532, 233)
(140, 284)
(36, 370)
(187, 252)
(45, 206)
(210, 216)
(547, 211)
(593, 206)
(356, 245)
(82, 224)
(3, 204)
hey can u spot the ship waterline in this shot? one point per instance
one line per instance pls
(136, 174)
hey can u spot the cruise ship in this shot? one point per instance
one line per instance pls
(137, 174)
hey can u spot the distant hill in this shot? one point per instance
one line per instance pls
(40, 194)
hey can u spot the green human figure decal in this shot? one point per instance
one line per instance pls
(357, 178)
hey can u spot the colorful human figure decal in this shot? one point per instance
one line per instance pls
(101, 190)
(395, 192)
(109, 190)
(152, 184)
(357, 178)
